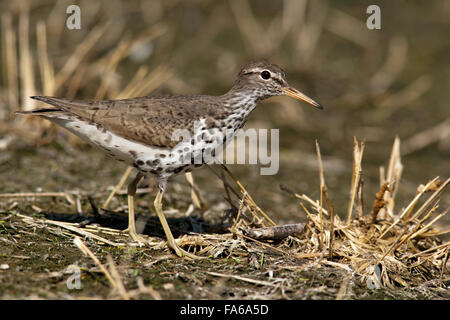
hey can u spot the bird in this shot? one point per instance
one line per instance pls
(148, 132)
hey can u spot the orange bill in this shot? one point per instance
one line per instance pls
(294, 93)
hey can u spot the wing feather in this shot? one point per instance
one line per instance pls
(150, 120)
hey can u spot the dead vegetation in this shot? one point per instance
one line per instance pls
(379, 248)
(373, 246)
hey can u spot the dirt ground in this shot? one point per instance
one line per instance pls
(37, 255)
(376, 85)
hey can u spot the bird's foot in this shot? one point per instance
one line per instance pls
(182, 253)
(136, 237)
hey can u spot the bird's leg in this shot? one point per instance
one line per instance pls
(170, 239)
(131, 223)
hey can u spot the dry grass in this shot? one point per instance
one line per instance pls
(380, 246)
(400, 249)
(404, 247)
(25, 77)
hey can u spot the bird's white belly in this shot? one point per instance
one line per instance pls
(193, 150)
(120, 148)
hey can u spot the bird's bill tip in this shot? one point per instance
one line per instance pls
(294, 93)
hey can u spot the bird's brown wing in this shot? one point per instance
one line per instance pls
(148, 120)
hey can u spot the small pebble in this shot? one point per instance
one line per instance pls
(168, 286)
(4, 266)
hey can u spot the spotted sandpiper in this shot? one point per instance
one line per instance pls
(140, 131)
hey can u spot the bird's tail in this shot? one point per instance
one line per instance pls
(54, 101)
(38, 112)
(44, 111)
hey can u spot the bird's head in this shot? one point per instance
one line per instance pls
(266, 79)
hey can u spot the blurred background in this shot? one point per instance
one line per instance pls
(375, 85)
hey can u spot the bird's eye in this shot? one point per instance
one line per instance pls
(265, 75)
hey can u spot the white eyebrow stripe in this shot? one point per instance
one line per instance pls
(273, 75)
(256, 70)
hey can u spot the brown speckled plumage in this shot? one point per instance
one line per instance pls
(150, 120)
(139, 131)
